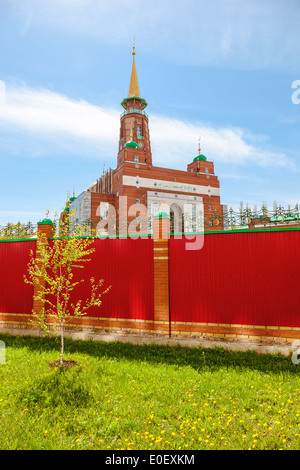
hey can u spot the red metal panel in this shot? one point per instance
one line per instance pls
(127, 266)
(15, 295)
(237, 278)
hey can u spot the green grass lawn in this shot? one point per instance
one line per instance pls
(124, 396)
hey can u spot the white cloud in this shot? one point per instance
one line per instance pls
(48, 112)
(174, 140)
(56, 124)
(54, 121)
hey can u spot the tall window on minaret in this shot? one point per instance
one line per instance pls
(139, 131)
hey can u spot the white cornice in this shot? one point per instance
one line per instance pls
(174, 186)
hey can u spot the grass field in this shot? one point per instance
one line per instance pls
(124, 396)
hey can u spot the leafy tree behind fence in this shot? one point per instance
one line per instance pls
(17, 231)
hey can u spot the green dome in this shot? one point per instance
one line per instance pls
(200, 157)
(72, 198)
(46, 222)
(131, 144)
(162, 215)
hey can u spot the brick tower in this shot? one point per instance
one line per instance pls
(134, 143)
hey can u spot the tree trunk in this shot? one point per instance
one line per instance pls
(61, 344)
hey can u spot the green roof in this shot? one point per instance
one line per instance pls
(46, 222)
(161, 215)
(200, 157)
(131, 144)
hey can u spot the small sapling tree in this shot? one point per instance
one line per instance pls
(52, 273)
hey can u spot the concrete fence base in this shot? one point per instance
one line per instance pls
(260, 347)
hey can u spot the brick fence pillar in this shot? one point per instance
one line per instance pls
(161, 234)
(46, 230)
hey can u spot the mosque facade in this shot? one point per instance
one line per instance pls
(129, 196)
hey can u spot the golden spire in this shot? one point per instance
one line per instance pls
(199, 148)
(134, 84)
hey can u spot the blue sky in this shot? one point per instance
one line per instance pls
(222, 70)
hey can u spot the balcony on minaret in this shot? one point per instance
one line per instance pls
(134, 104)
(134, 111)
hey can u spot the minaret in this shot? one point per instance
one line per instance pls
(200, 165)
(134, 143)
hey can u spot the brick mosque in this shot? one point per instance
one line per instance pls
(137, 190)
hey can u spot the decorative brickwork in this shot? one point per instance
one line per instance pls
(206, 331)
(46, 230)
(161, 234)
(257, 333)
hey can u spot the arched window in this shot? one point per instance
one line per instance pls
(139, 131)
(176, 219)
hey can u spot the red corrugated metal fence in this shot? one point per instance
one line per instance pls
(127, 266)
(15, 295)
(237, 278)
